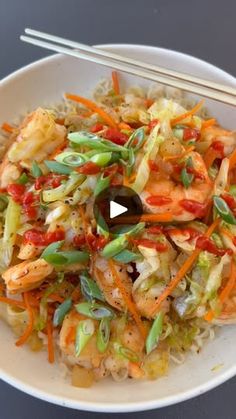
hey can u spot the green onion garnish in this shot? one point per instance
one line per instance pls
(23, 179)
(154, 333)
(102, 159)
(126, 352)
(84, 332)
(56, 167)
(94, 310)
(94, 142)
(102, 184)
(136, 139)
(126, 256)
(3, 202)
(35, 170)
(61, 312)
(223, 210)
(121, 242)
(71, 158)
(52, 256)
(186, 178)
(89, 288)
(103, 334)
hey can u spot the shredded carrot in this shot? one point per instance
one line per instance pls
(179, 156)
(91, 105)
(187, 114)
(30, 327)
(225, 292)
(12, 302)
(182, 272)
(123, 125)
(56, 297)
(115, 82)
(8, 128)
(58, 150)
(51, 356)
(130, 304)
(208, 123)
(209, 157)
(60, 121)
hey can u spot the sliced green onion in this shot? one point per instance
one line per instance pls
(84, 332)
(23, 179)
(103, 334)
(128, 165)
(35, 170)
(94, 310)
(52, 248)
(186, 178)
(71, 158)
(136, 139)
(63, 190)
(61, 312)
(94, 142)
(101, 159)
(102, 227)
(126, 256)
(56, 167)
(126, 352)
(121, 242)
(102, 184)
(178, 132)
(42, 319)
(223, 210)
(89, 288)
(51, 255)
(154, 333)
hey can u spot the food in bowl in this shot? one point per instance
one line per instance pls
(122, 300)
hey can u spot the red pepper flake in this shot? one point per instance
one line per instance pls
(79, 240)
(89, 168)
(96, 128)
(204, 243)
(155, 229)
(152, 124)
(158, 200)
(197, 175)
(230, 201)
(54, 236)
(194, 207)
(190, 232)
(160, 247)
(51, 181)
(219, 147)
(40, 238)
(115, 136)
(16, 191)
(153, 165)
(191, 134)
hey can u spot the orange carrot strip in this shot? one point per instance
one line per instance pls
(225, 292)
(209, 157)
(60, 121)
(8, 128)
(51, 356)
(226, 233)
(30, 327)
(115, 82)
(185, 115)
(13, 302)
(57, 150)
(130, 304)
(208, 123)
(91, 105)
(182, 272)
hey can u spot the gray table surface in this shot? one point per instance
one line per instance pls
(204, 28)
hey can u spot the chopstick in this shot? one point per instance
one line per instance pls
(168, 77)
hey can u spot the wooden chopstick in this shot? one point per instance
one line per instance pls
(171, 78)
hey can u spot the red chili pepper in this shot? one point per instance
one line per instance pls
(115, 136)
(54, 236)
(204, 243)
(194, 207)
(191, 133)
(191, 232)
(39, 182)
(16, 191)
(153, 165)
(160, 247)
(229, 199)
(218, 146)
(89, 168)
(35, 237)
(99, 243)
(51, 180)
(96, 128)
(152, 124)
(79, 240)
(194, 172)
(155, 230)
(158, 200)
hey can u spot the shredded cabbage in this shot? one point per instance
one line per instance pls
(12, 220)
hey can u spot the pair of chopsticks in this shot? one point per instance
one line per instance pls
(192, 84)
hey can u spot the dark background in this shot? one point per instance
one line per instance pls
(204, 28)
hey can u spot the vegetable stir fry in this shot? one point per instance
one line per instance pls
(123, 300)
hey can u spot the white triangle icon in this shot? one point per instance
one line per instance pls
(116, 209)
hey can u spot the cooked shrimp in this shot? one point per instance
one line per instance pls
(90, 356)
(145, 300)
(160, 186)
(28, 251)
(26, 275)
(215, 133)
(105, 281)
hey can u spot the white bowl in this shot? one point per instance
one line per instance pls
(43, 83)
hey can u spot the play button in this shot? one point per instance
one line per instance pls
(117, 205)
(116, 209)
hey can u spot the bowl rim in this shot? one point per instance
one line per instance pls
(126, 406)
